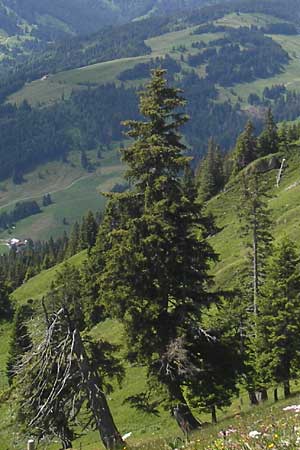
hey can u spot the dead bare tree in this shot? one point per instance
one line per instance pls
(59, 375)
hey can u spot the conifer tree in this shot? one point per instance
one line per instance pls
(152, 256)
(283, 137)
(215, 380)
(92, 229)
(20, 339)
(210, 174)
(278, 321)
(268, 141)
(5, 304)
(89, 230)
(83, 237)
(47, 200)
(74, 240)
(84, 160)
(256, 231)
(246, 149)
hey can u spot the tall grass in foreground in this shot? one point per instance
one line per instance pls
(264, 427)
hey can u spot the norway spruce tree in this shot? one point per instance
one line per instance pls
(151, 252)
(256, 232)
(20, 340)
(246, 149)
(278, 322)
(268, 141)
(210, 177)
(6, 310)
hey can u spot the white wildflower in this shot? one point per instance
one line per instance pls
(126, 435)
(254, 434)
(295, 408)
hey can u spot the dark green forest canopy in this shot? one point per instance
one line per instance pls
(32, 136)
(90, 118)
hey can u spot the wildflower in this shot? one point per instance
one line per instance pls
(225, 433)
(295, 408)
(126, 435)
(271, 445)
(254, 434)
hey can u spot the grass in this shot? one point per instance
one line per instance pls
(151, 432)
(235, 20)
(37, 287)
(289, 76)
(284, 204)
(73, 191)
(41, 92)
(161, 432)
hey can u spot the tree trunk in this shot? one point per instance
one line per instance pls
(252, 397)
(109, 434)
(184, 416)
(275, 395)
(213, 414)
(264, 394)
(255, 267)
(287, 388)
(66, 443)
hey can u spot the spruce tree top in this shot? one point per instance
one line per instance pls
(157, 148)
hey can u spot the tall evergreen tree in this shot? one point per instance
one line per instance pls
(256, 231)
(283, 137)
(20, 339)
(246, 149)
(268, 141)
(214, 383)
(278, 322)
(153, 257)
(74, 240)
(6, 310)
(89, 230)
(210, 173)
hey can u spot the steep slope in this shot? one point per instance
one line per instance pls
(201, 54)
(285, 203)
(48, 20)
(28, 27)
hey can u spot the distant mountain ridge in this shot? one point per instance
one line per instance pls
(57, 17)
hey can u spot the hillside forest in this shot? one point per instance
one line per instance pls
(149, 224)
(149, 267)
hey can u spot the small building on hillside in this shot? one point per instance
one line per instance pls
(17, 244)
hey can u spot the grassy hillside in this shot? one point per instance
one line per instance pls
(159, 432)
(284, 203)
(175, 43)
(50, 90)
(71, 182)
(73, 190)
